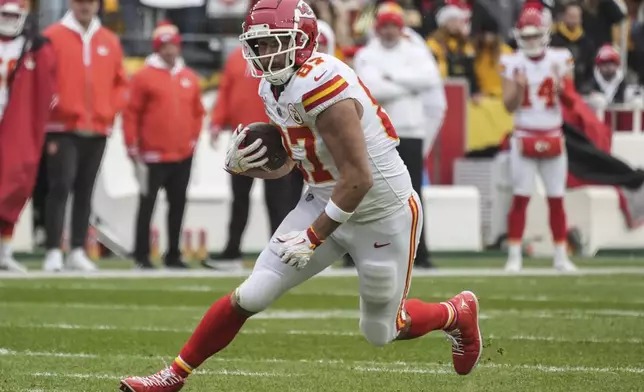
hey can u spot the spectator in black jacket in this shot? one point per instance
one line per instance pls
(599, 16)
(570, 34)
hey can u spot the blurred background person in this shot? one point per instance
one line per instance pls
(79, 124)
(475, 13)
(326, 39)
(599, 17)
(489, 46)
(25, 99)
(452, 49)
(608, 85)
(162, 122)
(570, 34)
(399, 84)
(334, 14)
(239, 103)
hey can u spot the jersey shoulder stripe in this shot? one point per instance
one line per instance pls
(324, 93)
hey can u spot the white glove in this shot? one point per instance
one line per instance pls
(296, 248)
(239, 160)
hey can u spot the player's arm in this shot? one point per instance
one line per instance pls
(512, 95)
(514, 84)
(340, 127)
(567, 91)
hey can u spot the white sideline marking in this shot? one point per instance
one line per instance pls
(375, 369)
(303, 314)
(311, 292)
(101, 376)
(202, 273)
(347, 365)
(259, 331)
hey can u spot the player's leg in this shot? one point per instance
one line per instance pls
(554, 173)
(7, 262)
(269, 280)
(384, 252)
(523, 172)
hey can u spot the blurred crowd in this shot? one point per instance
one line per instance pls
(466, 37)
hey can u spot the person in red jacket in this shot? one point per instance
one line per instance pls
(162, 121)
(238, 89)
(91, 91)
(27, 88)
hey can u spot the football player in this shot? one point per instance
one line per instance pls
(536, 81)
(27, 85)
(360, 200)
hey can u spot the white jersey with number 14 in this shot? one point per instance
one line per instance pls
(541, 108)
(319, 83)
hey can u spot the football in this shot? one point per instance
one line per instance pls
(272, 139)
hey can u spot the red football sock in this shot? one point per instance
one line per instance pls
(217, 329)
(516, 218)
(6, 230)
(427, 317)
(557, 219)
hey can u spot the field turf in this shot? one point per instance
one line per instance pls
(542, 333)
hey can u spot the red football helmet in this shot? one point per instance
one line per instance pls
(532, 32)
(293, 27)
(13, 15)
(607, 54)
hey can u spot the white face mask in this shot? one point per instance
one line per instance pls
(275, 40)
(532, 43)
(12, 20)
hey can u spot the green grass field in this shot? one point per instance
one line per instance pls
(542, 333)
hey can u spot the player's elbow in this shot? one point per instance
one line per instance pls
(361, 181)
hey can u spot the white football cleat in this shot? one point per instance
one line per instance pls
(564, 265)
(12, 265)
(513, 265)
(53, 261)
(7, 262)
(224, 265)
(78, 260)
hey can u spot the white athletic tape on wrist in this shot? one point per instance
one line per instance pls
(336, 213)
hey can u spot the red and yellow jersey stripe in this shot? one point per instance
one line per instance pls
(324, 93)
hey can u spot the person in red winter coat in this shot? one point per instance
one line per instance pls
(27, 90)
(162, 122)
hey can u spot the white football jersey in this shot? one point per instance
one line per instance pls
(9, 54)
(541, 108)
(319, 83)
